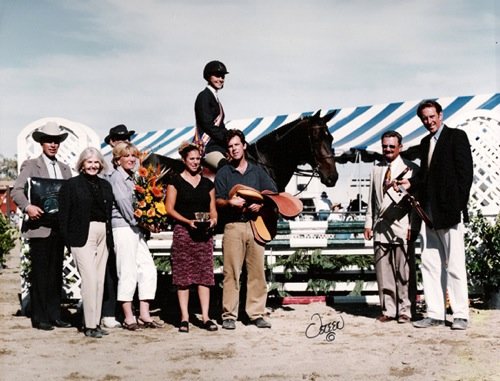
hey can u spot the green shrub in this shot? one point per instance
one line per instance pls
(8, 236)
(482, 248)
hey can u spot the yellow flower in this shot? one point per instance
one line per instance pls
(160, 208)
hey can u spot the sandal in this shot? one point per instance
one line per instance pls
(149, 324)
(184, 326)
(131, 326)
(209, 325)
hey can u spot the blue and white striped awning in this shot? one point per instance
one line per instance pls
(356, 128)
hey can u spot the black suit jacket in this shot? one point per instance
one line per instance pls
(75, 200)
(206, 109)
(444, 185)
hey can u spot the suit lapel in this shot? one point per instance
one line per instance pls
(42, 168)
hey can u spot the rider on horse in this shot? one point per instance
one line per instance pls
(210, 130)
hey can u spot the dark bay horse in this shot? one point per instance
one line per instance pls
(304, 141)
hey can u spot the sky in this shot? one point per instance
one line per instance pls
(140, 62)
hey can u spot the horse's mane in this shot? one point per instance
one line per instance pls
(277, 133)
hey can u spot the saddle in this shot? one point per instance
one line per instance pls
(274, 205)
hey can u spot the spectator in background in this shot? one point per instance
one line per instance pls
(356, 207)
(336, 214)
(324, 207)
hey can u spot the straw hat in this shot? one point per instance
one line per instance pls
(49, 129)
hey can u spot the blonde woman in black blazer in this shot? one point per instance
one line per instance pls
(85, 217)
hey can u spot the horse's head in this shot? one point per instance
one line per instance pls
(322, 157)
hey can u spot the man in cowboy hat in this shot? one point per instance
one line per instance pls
(45, 242)
(118, 134)
(110, 309)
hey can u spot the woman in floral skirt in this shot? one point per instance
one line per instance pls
(192, 248)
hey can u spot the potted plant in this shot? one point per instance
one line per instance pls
(482, 248)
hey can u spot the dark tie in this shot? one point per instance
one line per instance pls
(387, 178)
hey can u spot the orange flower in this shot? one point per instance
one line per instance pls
(151, 212)
(138, 213)
(142, 204)
(143, 172)
(139, 189)
(156, 191)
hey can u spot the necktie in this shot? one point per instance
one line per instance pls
(53, 163)
(387, 178)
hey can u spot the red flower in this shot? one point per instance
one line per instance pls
(157, 192)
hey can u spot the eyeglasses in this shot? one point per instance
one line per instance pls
(51, 140)
(388, 146)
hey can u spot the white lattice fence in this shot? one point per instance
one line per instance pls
(484, 134)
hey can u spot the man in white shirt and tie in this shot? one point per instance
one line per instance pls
(393, 227)
(45, 242)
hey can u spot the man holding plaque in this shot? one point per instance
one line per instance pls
(388, 222)
(41, 229)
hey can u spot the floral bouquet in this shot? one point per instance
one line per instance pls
(149, 208)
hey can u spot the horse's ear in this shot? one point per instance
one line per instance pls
(316, 116)
(329, 116)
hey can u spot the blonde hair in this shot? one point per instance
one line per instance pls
(86, 154)
(123, 149)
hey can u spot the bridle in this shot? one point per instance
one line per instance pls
(316, 158)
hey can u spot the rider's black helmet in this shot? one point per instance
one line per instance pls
(214, 67)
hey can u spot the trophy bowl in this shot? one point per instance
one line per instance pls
(202, 220)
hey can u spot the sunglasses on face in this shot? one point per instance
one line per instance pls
(384, 146)
(50, 141)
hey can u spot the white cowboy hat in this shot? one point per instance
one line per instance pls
(49, 129)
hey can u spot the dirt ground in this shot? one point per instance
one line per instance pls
(350, 346)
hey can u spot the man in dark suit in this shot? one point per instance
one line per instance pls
(210, 128)
(443, 184)
(45, 242)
